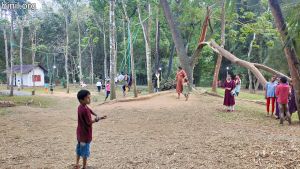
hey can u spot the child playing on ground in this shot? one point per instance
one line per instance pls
(107, 88)
(186, 90)
(84, 128)
(282, 93)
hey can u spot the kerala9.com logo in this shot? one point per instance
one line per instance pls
(14, 6)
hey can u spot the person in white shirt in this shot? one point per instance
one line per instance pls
(19, 85)
(99, 85)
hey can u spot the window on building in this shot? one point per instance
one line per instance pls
(36, 78)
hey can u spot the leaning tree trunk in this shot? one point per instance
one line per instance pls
(11, 56)
(219, 60)
(21, 51)
(183, 57)
(66, 52)
(112, 31)
(6, 54)
(290, 54)
(213, 45)
(249, 59)
(146, 32)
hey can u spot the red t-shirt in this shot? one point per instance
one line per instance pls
(282, 93)
(84, 128)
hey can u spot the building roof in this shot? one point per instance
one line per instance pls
(26, 68)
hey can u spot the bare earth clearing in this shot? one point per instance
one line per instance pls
(161, 132)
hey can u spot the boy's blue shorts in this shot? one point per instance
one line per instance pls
(83, 149)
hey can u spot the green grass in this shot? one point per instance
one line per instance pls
(34, 101)
(244, 94)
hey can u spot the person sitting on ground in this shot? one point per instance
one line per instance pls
(270, 94)
(99, 85)
(229, 101)
(282, 93)
(107, 88)
(84, 127)
(186, 90)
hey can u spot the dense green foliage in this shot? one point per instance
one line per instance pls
(243, 19)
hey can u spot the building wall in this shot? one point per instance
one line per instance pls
(27, 78)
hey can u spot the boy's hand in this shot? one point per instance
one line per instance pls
(97, 119)
(103, 117)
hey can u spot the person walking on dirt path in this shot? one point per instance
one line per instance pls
(84, 127)
(229, 101)
(107, 89)
(282, 93)
(270, 94)
(99, 85)
(180, 75)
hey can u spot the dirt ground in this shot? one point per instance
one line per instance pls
(161, 132)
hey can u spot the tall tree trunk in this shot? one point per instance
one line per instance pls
(92, 64)
(172, 50)
(251, 87)
(157, 38)
(6, 53)
(105, 55)
(146, 33)
(21, 51)
(33, 49)
(112, 39)
(219, 60)
(133, 78)
(183, 57)
(11, 55)
(290, 54)
(79, 48)
(125, 44)
(66, 52)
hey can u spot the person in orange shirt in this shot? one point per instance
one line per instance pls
(282, 94)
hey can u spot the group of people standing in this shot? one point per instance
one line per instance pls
(281, 92)
(232, 87)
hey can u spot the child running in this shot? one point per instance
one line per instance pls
(186, 90)
(107, 88)
(84, 128)
(282, 93)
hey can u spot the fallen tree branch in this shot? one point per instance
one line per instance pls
(215, 47)
(270, 70)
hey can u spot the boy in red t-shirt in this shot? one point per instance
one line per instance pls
(84, 128)
(282, 94)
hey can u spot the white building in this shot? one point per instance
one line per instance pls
(31, 73)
